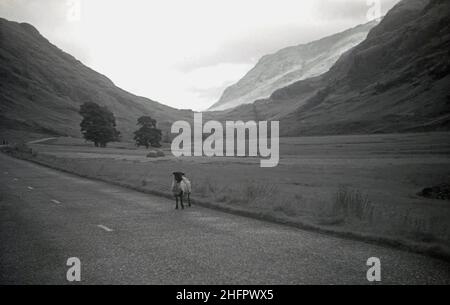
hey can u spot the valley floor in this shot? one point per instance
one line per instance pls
(364, 185)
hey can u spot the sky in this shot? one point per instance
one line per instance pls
(184, 53)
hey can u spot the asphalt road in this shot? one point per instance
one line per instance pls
(126, 237)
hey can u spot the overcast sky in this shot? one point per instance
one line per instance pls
(183, 53)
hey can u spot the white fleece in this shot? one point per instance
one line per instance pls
(183, 186)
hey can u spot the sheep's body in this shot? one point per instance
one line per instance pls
(187, 185)
(182, 186)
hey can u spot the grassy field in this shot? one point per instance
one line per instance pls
(363, 184)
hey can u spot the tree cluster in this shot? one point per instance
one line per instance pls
(99, 126)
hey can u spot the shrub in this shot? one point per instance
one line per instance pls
(22, 147)
(155, 154)
(352, 204)
(19, 149)
(152, 154)
(250, 192)
(441, 191)
(287, 206)
(206, 188)
(254, 191)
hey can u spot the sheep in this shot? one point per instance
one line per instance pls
(181, 186)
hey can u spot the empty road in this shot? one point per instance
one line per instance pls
(126, 237)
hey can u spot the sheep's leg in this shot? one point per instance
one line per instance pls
(189, 199)
(176, 199)
(181, 200)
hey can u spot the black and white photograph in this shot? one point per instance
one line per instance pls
(223, 149)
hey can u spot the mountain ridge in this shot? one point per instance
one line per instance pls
(290, 64)
(42, 88)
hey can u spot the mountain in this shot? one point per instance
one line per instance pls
(289, 65)
(396, 80)
(42, 88)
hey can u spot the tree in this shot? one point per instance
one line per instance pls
(98, 124)
(147, 134)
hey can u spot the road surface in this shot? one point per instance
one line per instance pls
(126, 237)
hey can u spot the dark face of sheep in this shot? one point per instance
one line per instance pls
(178, 176)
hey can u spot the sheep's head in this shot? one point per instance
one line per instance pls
(178, 176)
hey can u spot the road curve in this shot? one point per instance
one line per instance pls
(126, 237)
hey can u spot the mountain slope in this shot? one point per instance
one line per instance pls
(42, 88)
(289, 65)
(396, 80)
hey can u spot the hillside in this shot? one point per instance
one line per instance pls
(396, 80)
(42, 88)
(289, 65)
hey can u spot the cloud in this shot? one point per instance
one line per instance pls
(46, 14)
(50, 18)
(207, 83)
(349, 9)
(249, 47)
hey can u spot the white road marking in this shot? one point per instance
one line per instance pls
(55, 201)
(105, 228)
(15, 179)
(31, 188)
